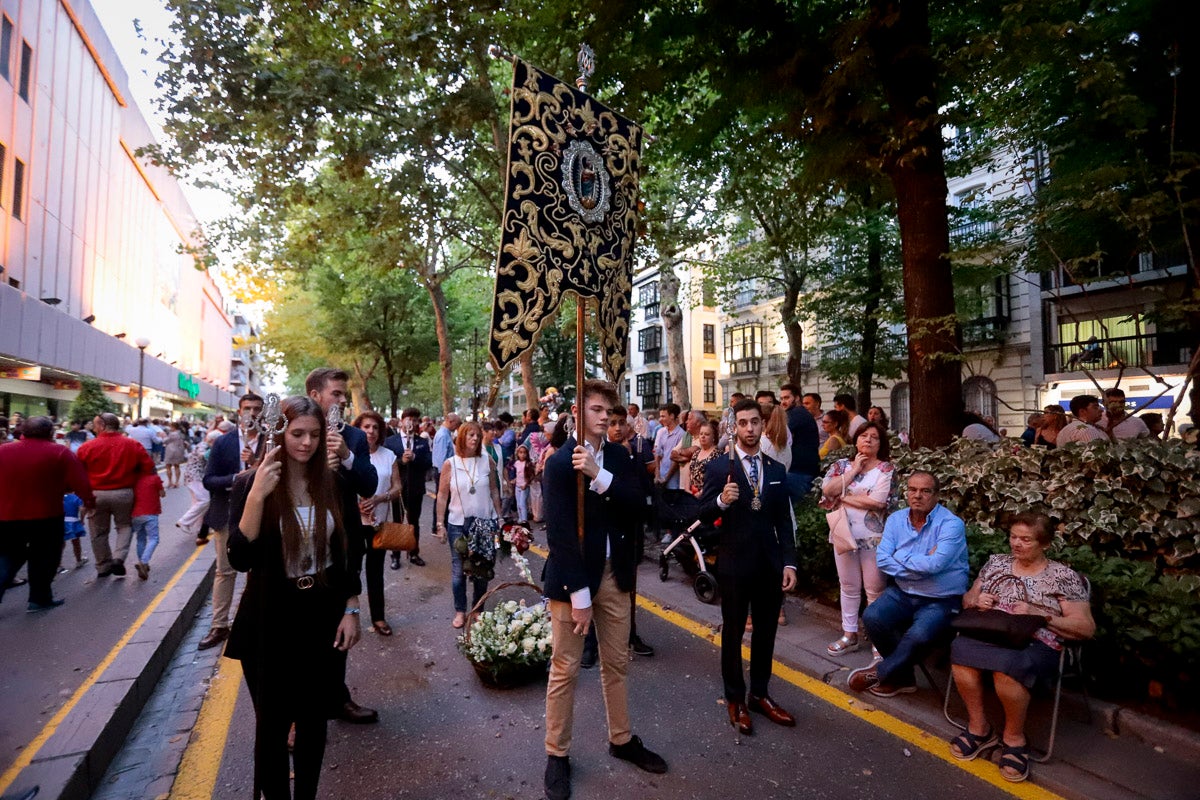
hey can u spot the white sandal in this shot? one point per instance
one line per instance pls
(845, 644)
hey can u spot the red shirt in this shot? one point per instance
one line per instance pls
(114, 461)
(34, 476)
(146, 494)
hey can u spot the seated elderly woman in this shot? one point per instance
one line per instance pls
(1025, 582)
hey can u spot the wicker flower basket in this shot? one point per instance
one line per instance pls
(522, 666)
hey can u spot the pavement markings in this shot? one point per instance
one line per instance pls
(38, 742)
(197, 775)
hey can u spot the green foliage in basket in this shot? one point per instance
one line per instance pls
(511, 633)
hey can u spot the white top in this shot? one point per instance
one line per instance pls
(855, 424)
(865, 526)
(783, 456)
(382, 460)
(465, 473)
(1080, 432)
(1129, 428)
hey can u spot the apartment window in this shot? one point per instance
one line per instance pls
(900, 408)
(18, 193)
(26, 69)
(710, 339)
(6, 37)
(650, 344)
(666, 376)
(743, 341)
(710, 386)
(648, 299)
(649, 388)
(979, 395)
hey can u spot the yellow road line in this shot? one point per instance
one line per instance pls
(197, 775)
(935, 746)
(48, 730)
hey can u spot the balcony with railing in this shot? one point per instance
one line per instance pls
(1117, 352)
(745, 366)
(652, 356)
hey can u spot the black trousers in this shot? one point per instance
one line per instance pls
(271, 724)
(374, 569)
(760, 593)
(38, 542)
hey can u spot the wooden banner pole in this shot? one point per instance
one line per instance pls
(580, 329)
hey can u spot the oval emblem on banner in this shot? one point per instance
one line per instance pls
(585, 181)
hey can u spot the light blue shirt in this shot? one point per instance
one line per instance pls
(664, 442)
(931, 562)
(443, 447)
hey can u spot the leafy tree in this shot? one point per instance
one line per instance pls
(90, 401)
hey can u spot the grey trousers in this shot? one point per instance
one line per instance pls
(113, 507)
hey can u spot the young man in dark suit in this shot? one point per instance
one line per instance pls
(350, 456)
(415, 457)
(231, 454)
(588, 578)
(756, 562)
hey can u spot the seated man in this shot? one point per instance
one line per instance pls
(924, 553)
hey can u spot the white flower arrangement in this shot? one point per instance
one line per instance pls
(511, 633)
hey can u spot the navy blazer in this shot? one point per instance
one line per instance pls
(224, 463)
(806, 443)
(570, 567)
(750, 540)
(413, 473)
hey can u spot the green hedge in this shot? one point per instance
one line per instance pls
(1128, 517)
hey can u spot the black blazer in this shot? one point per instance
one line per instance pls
(224, 463)
(750, 540)
(413, 473)
(267, 588)
(806, 443)
(569, 567)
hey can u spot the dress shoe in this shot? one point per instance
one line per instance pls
(771, 710)
(118, 569)
(863, 678)
(353, 712)
(639, 647)
(103, 573)
(557, 781)
(416, 560)
(213, 638)
(636, 753)
(143, 570)
(888, 690)
(32, 607)
(589, 658)
(395, 561)
(739, 717)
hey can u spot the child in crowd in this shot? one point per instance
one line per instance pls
(147, 506)
(73, 528)
(520, 477)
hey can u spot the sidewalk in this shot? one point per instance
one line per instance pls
(1120, 754)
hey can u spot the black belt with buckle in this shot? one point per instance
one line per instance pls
(305, 582)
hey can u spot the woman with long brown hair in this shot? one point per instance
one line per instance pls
(301, 600)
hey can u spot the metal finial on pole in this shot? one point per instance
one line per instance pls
(587, 66)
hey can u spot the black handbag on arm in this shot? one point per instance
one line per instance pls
(999, 627)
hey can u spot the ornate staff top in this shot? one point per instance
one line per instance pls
(587, 66)
(334, 420)
(271, 422)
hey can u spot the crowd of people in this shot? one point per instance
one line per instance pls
(296, 506)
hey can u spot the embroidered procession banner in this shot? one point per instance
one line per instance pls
(570, 216)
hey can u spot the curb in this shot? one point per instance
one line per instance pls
(74, 760)
(1159, 734)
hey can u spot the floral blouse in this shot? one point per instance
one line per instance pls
(865, 526)
(1055, 583)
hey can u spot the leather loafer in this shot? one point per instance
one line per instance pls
(416, 560)
(213, 638)
(557, 780)
(353, 712)
(739, 717)
(636, 753)
(771, 710)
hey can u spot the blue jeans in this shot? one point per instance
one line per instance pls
(905, 627)
(146, 530)
(458, 580)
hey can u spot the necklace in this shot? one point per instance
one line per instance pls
(473, 473)
(306, 530)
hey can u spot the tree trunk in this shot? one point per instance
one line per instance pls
(361, 397)
(917, 171)
(672, 317)
(531, 392)
(445, 352)
(870, 336)
(795, 333)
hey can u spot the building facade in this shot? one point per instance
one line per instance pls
(94, 239)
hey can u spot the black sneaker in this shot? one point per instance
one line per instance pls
(636, 753)
(395, 561)
(417, 561)
(118, 569)
(557, 782)
(639, 647)
(589, 658)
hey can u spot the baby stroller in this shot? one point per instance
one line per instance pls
(694, 545)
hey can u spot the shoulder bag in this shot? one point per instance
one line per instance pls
(996, 626)
(395, 535)
(839, 527)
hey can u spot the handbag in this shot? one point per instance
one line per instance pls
(997, 626)
(395, 535)
(839, 528)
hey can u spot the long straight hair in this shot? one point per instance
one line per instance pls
(321, 489)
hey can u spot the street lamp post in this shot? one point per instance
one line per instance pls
(142, 343)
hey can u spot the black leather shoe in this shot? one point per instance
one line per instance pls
(395, 561)
(32, 607)
(353, 712)
(639, 647)
(118, 569)
(589, 657)
(557, 782)
(213, 638)
(636, 753)
(416, 560)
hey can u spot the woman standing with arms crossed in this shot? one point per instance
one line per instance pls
(466, 488)
(862, 486)
(301, 600)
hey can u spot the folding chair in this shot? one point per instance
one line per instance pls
(1070, 664)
